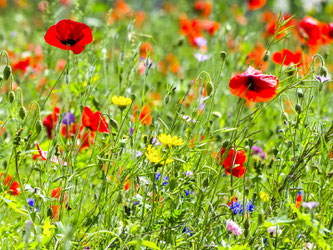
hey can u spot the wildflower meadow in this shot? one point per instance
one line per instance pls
(166, 124)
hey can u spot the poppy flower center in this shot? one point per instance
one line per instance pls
(70, 42)
(251, 84)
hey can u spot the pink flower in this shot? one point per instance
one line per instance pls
(272, 230)
(53, 159)
(234, 228)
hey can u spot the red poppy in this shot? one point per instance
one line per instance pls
(256, 4)
(203, 7)
(145, 49)
(287, 57)
(255, 57)
(210, 26)
(254, 86)
(50, 121)
(299, 200)
(55, 193)
(235, 160)
(145, 116)
(69, 33)
(310, 30)
(92, 120)
(14, 187)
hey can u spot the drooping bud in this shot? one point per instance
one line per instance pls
(114, 123)
(7, 71)
(323, 71)
(298, 108)
(167, 99)
(22, 112)
(209, 88)
(39, 126)
(11, 96)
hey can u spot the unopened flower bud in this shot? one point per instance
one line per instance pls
(225, 143)
(11, 96)
(39, 126)
(133, 97)
(7, 71)
(22, 112)
(323, 71)
(266, 57)
(167, 99)
(300, 93)
(114, 123)
(223, 55)
(209, 88)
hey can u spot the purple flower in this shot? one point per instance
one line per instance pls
(148, 63)
(68, 118)
(310, 205)
(232, 226)
(165, 179)
(272, 230)
(200, 41)
(259, 151)
(323, 79)
(188, 119)
(155, 142)
(131, 131)
(201, 57)
(188, 173)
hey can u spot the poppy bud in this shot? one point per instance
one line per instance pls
(114, 123)
(266, 57)
(298, 108)
(167, 99)
(205, 182)
(173, 184)
(11, 96)
(145, 139)
(22, 112)
(209, 88)
(39, 126)
(323, 71)
(133, 97)
(300, 93)
(7, 71)
(50, 212)
(223, 55)
(285, 116)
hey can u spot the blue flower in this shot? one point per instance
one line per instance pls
(165, 179)
(187, 230)
(31, 202)
(237, 207)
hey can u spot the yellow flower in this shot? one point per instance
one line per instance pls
(264, 196)
(121, 102)
(154, 156)
(169, 141)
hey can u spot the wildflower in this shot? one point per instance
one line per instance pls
(68, 118)
(31, 202)
(310, 205)
(188, 173)
(237, 207)
(201, 57)
(50, 121)
(169, 141)
(309, 29)
(53, 159)
(299, 199)
(145, 49)
(259, 151)
(323, 78)
(131, 131)
(121, 102)
(255, 57)
(68, 34)
(165, 179)
(254, 86)
(14, 187)
(232, 226)
(145, 116)
(154, 156)
(264, 196)
(235, 160)
(93, 120)
(203, 7)
(256, 4)
(187, 230)
(287, 57)
(273, 229)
